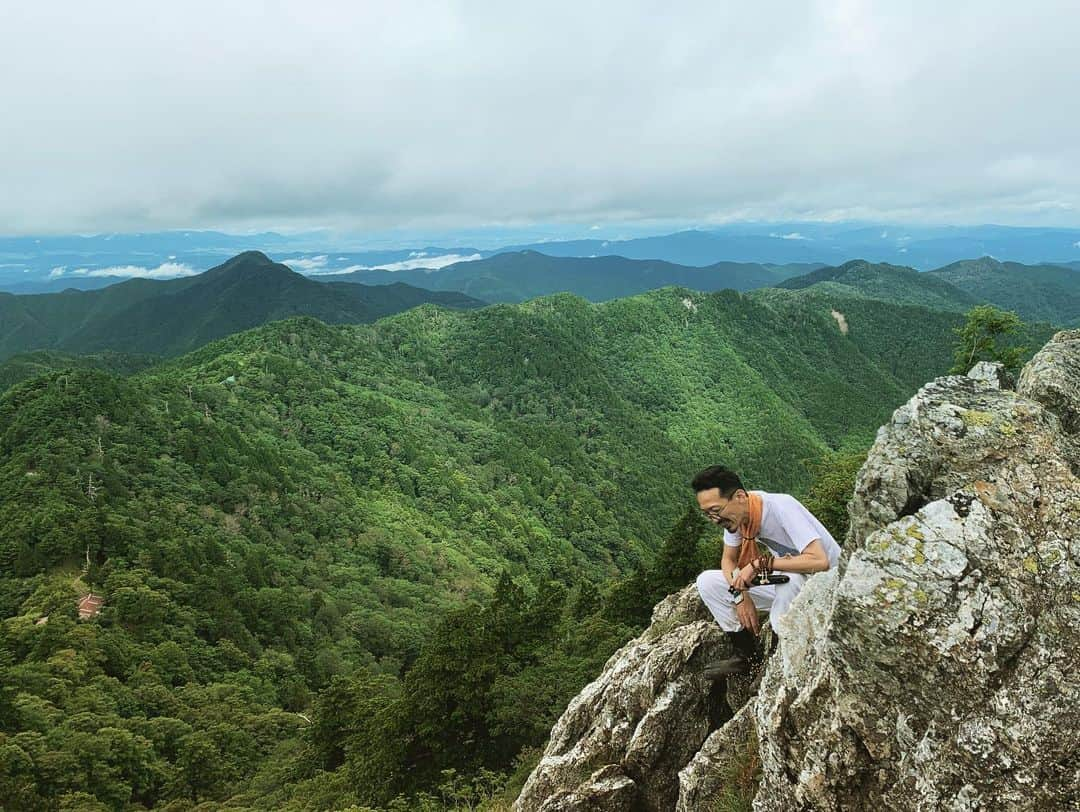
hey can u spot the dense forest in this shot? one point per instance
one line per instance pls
(369, 564)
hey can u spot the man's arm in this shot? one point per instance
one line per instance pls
(811, 559)
(729, 561)
(745, 610)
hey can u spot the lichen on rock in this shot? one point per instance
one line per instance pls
(946, 675)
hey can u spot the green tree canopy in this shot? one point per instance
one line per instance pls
(984, 337)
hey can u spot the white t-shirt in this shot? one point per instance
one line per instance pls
(787, 528)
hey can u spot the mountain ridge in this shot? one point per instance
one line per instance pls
(1036, 292)
(894, 283)
(172, 316)
(513, 276)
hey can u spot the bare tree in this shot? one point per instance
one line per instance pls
(91, 488)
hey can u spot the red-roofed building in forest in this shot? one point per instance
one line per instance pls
(90, 606)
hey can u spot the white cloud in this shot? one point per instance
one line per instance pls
(166, 270)
(434, 263)
(635, 115)
(794, 235)
(306, 264)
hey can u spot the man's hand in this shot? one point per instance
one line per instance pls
(748, 574)
(743, 580)
(747, 614)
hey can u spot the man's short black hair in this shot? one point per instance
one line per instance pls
(717, 476)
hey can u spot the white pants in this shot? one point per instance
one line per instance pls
(713, 588)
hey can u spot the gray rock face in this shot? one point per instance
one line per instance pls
(1053, 378)
(622, 741)
(936, 669)
(703, 781)
(991, 373)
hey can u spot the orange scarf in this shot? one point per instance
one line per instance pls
(749, 529)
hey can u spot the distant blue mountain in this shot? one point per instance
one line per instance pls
(55, 264)
(52, 264)
(922, 248)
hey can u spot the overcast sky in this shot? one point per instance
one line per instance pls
(137, 116)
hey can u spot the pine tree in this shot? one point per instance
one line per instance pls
(981, 338)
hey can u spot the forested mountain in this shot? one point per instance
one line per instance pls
(278, 520)
(177, 315)
(1035, 292)
(30, 364)
(59, 284)
(520, 275)
(892, 283)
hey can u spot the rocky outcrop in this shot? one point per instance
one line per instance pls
(938, 668)
(712, 774)
(935, 669)
(623, 740)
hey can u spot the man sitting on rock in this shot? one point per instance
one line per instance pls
(799, 545)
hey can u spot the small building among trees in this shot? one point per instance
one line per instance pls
(90, 606)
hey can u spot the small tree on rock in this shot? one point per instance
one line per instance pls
(981, 338)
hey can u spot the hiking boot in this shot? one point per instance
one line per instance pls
(748, 656)
(718, 669)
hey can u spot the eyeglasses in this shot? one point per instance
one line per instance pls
(716, 513)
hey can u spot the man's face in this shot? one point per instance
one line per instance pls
(728, 512)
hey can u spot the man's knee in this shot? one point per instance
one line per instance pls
(703, 582)
(712, 583)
